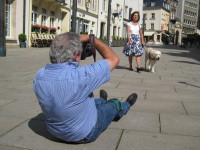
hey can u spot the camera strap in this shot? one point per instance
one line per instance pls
(93, 49)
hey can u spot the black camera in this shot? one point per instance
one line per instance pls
(88, 48)
(87, 51)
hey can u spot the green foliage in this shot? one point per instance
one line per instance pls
(83, 32)
(22, 37)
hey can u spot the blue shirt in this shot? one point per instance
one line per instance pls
(64, 94)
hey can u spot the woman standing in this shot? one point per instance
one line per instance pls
(135, 40)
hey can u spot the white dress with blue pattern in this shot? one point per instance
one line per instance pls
(136, 47)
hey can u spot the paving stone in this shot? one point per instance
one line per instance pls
(138, 121)
(34, 135)
(155, 106)
(5, 147)
(132, 140)
(180, 124)
(24, 109)
(192, 108)
(8, 123)
(17, 94)
(163, 95)
(5, 101)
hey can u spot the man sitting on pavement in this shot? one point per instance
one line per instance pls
(64, 90)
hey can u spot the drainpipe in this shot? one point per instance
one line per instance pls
(24, 16)
(74, 10)
(2, 28)
(108, 21)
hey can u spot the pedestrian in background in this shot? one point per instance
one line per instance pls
(135, 40)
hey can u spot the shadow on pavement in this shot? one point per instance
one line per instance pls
(189, 84)
(126, 68)
(188, 52)
(38, 125)
(193, 63)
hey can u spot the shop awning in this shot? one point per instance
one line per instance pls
(148, 33)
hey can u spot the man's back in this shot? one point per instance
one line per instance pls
(63, 91)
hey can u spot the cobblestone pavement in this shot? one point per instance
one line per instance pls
(166, 115)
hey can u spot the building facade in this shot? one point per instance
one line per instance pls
(187, 12)
(87, 16)
(175, 26)
(198, 21)
(24, 16)
(40, 19)
(156, 26)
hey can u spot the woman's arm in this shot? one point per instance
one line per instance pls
(128, 34)
(142, 37)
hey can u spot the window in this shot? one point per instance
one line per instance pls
(144, 26)
(102, 31)
(93, 4)
(153, 4)
(145, 17)
(8, 18)
(85, 26)
(153, 16)
(52, 19)
(152, 26)
(44, 17)
(34, 15)
(104, 5)
(79, 1)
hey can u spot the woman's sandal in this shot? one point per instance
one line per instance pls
(139, 70)
(131, 69)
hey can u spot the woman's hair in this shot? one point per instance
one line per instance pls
(64, 46)
(131, 19)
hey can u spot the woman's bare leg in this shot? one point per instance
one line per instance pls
(138, 61)
(130, 59)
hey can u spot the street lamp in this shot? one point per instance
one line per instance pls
(2, 28)
(74, 16)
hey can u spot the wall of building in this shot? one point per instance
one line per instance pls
(87, 14)
(102, 19)
(129, 7)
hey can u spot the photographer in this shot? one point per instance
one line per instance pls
(64, 90)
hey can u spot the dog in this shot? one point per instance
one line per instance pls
(152, 56)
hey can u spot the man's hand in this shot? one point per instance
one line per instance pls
(84, 37)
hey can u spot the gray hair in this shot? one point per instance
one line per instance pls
(64, 46)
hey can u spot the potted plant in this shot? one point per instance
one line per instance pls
(44, 29)
(36, 28)
(53, 30)
(22, 40)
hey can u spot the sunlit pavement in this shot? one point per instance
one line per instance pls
(166, 115)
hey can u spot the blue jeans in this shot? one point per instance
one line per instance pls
(106, 113)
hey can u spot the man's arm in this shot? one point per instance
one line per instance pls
(105, 51)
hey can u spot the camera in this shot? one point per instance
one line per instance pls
(88, 48)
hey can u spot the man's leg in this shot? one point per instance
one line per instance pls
(107, 112)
